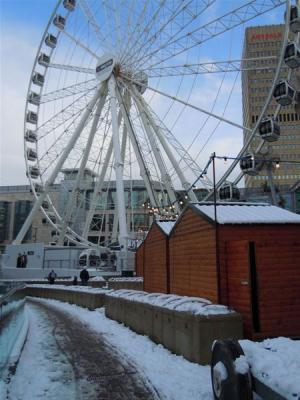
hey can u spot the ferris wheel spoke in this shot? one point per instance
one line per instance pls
(165, 176)
(80, 44)
(211, 67)
(212, 29)
(163, 134)
(202, 110)
(187, 16)
(76, 88)
(72, 68)
(63, 115)
(92, 21)
(57, 168)
(144, 172)
(66, 220)
(142, 36)
(138, 25)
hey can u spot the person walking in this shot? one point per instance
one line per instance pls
(84, 276)
(24, 260)
(19, 260)
(51, 277)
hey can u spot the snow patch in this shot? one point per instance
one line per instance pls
(220, 371)
(241, 365)
(275, 362)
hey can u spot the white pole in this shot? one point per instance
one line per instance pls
(58, 167)
(123, 148)
(118, 167)
(167, 182)
(99, 185)
(185, 184)
(143, 170)
(66, 220)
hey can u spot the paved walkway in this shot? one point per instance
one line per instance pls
(81, 361)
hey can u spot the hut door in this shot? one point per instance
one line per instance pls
(239, 280)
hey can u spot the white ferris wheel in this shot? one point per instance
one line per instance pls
(145, 89)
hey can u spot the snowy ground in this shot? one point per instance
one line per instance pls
(47, 368)
(74, 353)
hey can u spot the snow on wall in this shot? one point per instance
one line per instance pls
(193, 305)
(244, 213)
(127, 279)
(85, 289)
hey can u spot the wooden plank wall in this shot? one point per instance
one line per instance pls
(193, 257)
(278, 269)
(277, 249)
(155, 263)
(237, 295)
(139, 260)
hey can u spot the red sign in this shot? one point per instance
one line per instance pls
(266, 36)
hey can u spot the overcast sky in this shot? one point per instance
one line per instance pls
(22, 25)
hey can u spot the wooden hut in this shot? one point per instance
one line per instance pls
(152, 258)
(139, 260)
(249, 260)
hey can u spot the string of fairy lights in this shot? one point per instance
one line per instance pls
(169, 212)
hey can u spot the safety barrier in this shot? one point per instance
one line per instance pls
(182, 332)
(85, 297)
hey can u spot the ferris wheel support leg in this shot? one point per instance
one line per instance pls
(57, 168)
(143, 169)
(118, 167)
(157, 154)
(185, 184)
(99, 185)
(69, 208)
(123, 149)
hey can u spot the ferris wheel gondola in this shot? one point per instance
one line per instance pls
(229, 192)
(295, 18)
(269, 130)
(285, 94)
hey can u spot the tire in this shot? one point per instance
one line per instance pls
(227, 383)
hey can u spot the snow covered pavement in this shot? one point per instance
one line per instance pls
(74, 353)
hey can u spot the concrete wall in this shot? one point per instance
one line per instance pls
(182, 333)
(82, 299)
(133, 285)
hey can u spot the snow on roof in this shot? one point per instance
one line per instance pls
(166, 226)
(248, 213)
(192, 305)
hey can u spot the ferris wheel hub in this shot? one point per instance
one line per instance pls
(105, 67)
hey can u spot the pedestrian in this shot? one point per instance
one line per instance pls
(51, 277)
(24, 260)
(19, 260)
(75, 281)
(84, 276)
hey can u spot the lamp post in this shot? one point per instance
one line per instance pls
(218, 269)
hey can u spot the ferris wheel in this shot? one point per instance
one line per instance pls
(123, 90)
